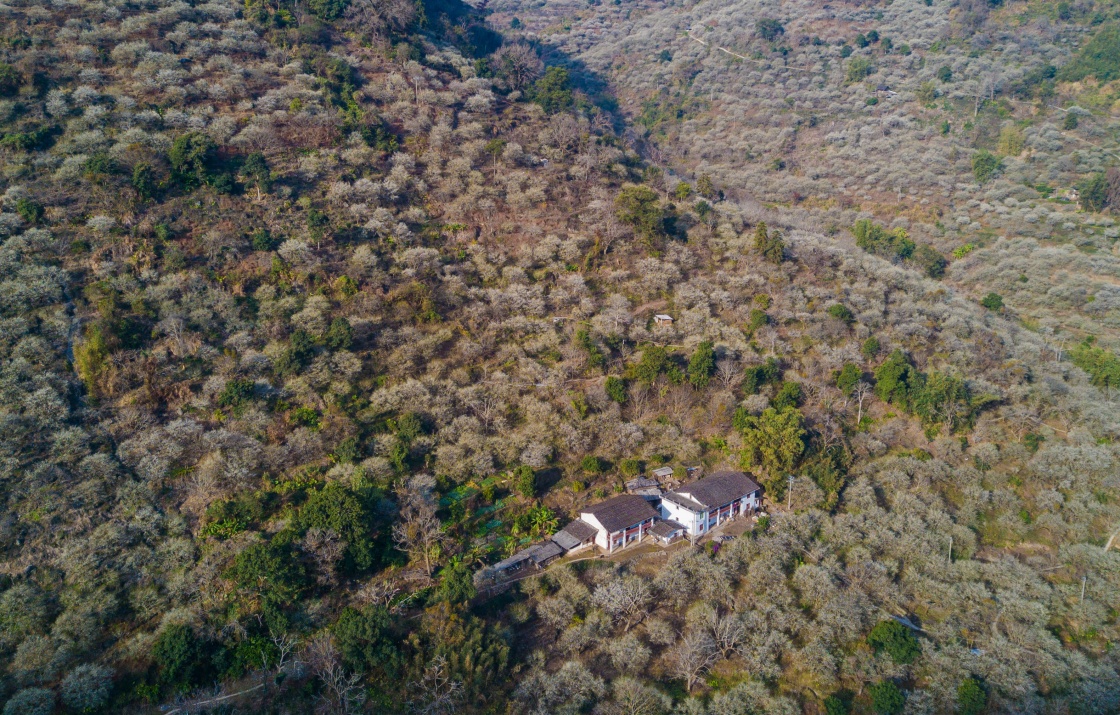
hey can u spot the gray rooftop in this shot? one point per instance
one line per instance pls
(574, 534)
(621, 512)
(718, 489)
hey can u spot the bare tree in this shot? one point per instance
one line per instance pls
(438, 693)
(627, 599)
(632, 697)
(518, 64)
(326, 549)
(729, 373)
(693, 656)
(418, 532)
(861, 392)
(342, 691)
(728, 633)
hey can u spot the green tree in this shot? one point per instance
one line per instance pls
(896, 640)
(366, 641)
(29, 210)
(337, 508)
(859, 69)
(847, 377)
(456, 583)
(972, 699)
(942, 399)
(1093, 193)
(773, 442)
(553, 91)
(682, 191)
(896, 380)
(873, 238)
(591, 465)
(788, 395)
(639, 207)
(887, 698)
(327, 9)
(525, 481)
(705, 187)
(616, 389)
(769, 29)
(144, 181)
(177, 654)
(340, 336)
(985, 165)
(1099, 57)
(771, 245)
(10, 80)
(702, 365)
(267, 575)
(944, 73)
(842, 312)
(993, 302)
(870, 347)
(193, 157)
(931, 261)
(656, 361)
(236, 393)
(256, 172)
(756, 376)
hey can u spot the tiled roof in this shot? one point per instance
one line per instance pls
(718, 489)
(622, 511)
(574, 534)
(666, 528)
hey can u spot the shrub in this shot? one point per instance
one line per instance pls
(985, 165)
(1011, 141)
(931, 262)
(267, 573)
(30, 701)
(236, 393)
(365, 640)
(993, 302)
(896, 640)
(1099, 57)
(859, 69)
(944, 73)
(873, 238)
(29, 210)
(87, 687)
(592, 465)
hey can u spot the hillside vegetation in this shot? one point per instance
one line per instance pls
(311, 310)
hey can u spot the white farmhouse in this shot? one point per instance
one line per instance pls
(619, 521)
(701, 505)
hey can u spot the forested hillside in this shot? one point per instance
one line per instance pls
(312, 309)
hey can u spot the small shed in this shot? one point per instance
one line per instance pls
(575, 537)
(666, 531)
(662, 321)
(644, 487)
(663, 473)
